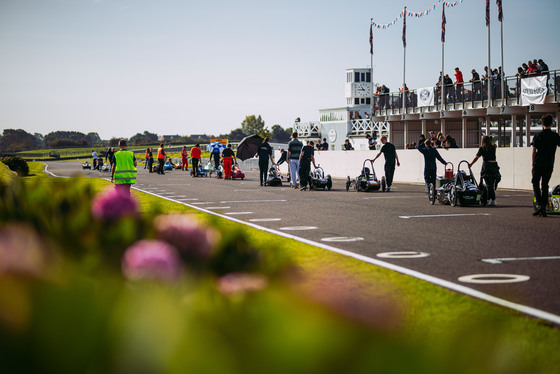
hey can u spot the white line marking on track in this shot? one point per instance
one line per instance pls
(393, 197)
(298, 228)
(218, 207)
(253, 201)
(265, 219)
(182, 198)
(446, 215)
(413, 273)
(493, 278)
(500, 260)
(247, 190)
(238, 213)
(204, 202)
(338, 239)
(403, 254)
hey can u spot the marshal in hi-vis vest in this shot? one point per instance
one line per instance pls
(125, 171)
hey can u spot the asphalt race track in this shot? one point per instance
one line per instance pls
(510, 254)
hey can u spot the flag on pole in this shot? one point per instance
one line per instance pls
(487, 13)
(404, 31)
(443, 22)
(370, 39)
(500, 13)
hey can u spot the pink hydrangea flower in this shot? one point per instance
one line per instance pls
(151, 259)
(234, 283)
(112, 204)
(187, 234)
(21, 250)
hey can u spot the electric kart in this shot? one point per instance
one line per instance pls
(86, 165)
(462, 188)
(553, 200)
(274, 177)
(367, 180)
(236, 172)
(318, 180)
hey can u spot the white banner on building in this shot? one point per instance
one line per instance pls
(426, 96)
(533, 90)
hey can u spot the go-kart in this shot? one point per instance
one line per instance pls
(86, 165)
(367, 180)
(318, 180)
(274, 177)
(201, 171)
(236, 172)
(462, 188)
(553, 200)
(105, 167)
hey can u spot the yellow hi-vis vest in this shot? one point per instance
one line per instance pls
(125, 171)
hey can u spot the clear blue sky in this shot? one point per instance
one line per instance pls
(118, 67)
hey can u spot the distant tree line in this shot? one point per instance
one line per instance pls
(20, 140)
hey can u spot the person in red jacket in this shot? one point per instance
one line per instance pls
(195, 158)
(459, 83)
(184, 159)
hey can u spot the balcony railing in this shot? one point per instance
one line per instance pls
(469, 95)
(307, 129)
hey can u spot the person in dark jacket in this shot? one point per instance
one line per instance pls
(430, 156)
(390, 153)
(283, 157)
(306, 157)
(544, 151)
(265, 153)
(490, 171)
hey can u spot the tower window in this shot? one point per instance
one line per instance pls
(356, 77)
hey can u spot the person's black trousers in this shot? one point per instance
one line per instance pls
(389, 173)
(160, 161)
(541, 177)
(195, 166)
(216, 160)
(304, 169)
(263, 170)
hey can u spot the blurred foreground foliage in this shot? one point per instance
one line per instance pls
(66, 307)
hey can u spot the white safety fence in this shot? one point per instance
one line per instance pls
(515, 164)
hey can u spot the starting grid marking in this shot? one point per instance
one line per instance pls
(445, 215)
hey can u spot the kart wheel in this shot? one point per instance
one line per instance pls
(329, 182)
(453, 196)
(348, 183)
(484, 197)
(242, 178)
(555, 205)
(383, 184)
(431, 193)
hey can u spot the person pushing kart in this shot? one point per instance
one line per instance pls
(430, 156)
(390, 153)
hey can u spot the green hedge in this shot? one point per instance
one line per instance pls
(17, 164)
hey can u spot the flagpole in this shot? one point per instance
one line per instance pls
(488, 82)
(404, 64)
(502, 76)
(371, 68)
(442, 85)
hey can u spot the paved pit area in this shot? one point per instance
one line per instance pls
(502, 251)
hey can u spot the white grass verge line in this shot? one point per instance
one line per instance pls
(51, 173)
(537, 313)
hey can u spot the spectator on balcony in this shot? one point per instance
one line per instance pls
(372, 140)
(450, 142)
(348, 146)
(449, 92)
(459, 84)
(385, 96)
(325, 145)
(319, 146)
(476, 85)
(545, 71)
(486, 83)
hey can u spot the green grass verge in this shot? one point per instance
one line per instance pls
(429, 315)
